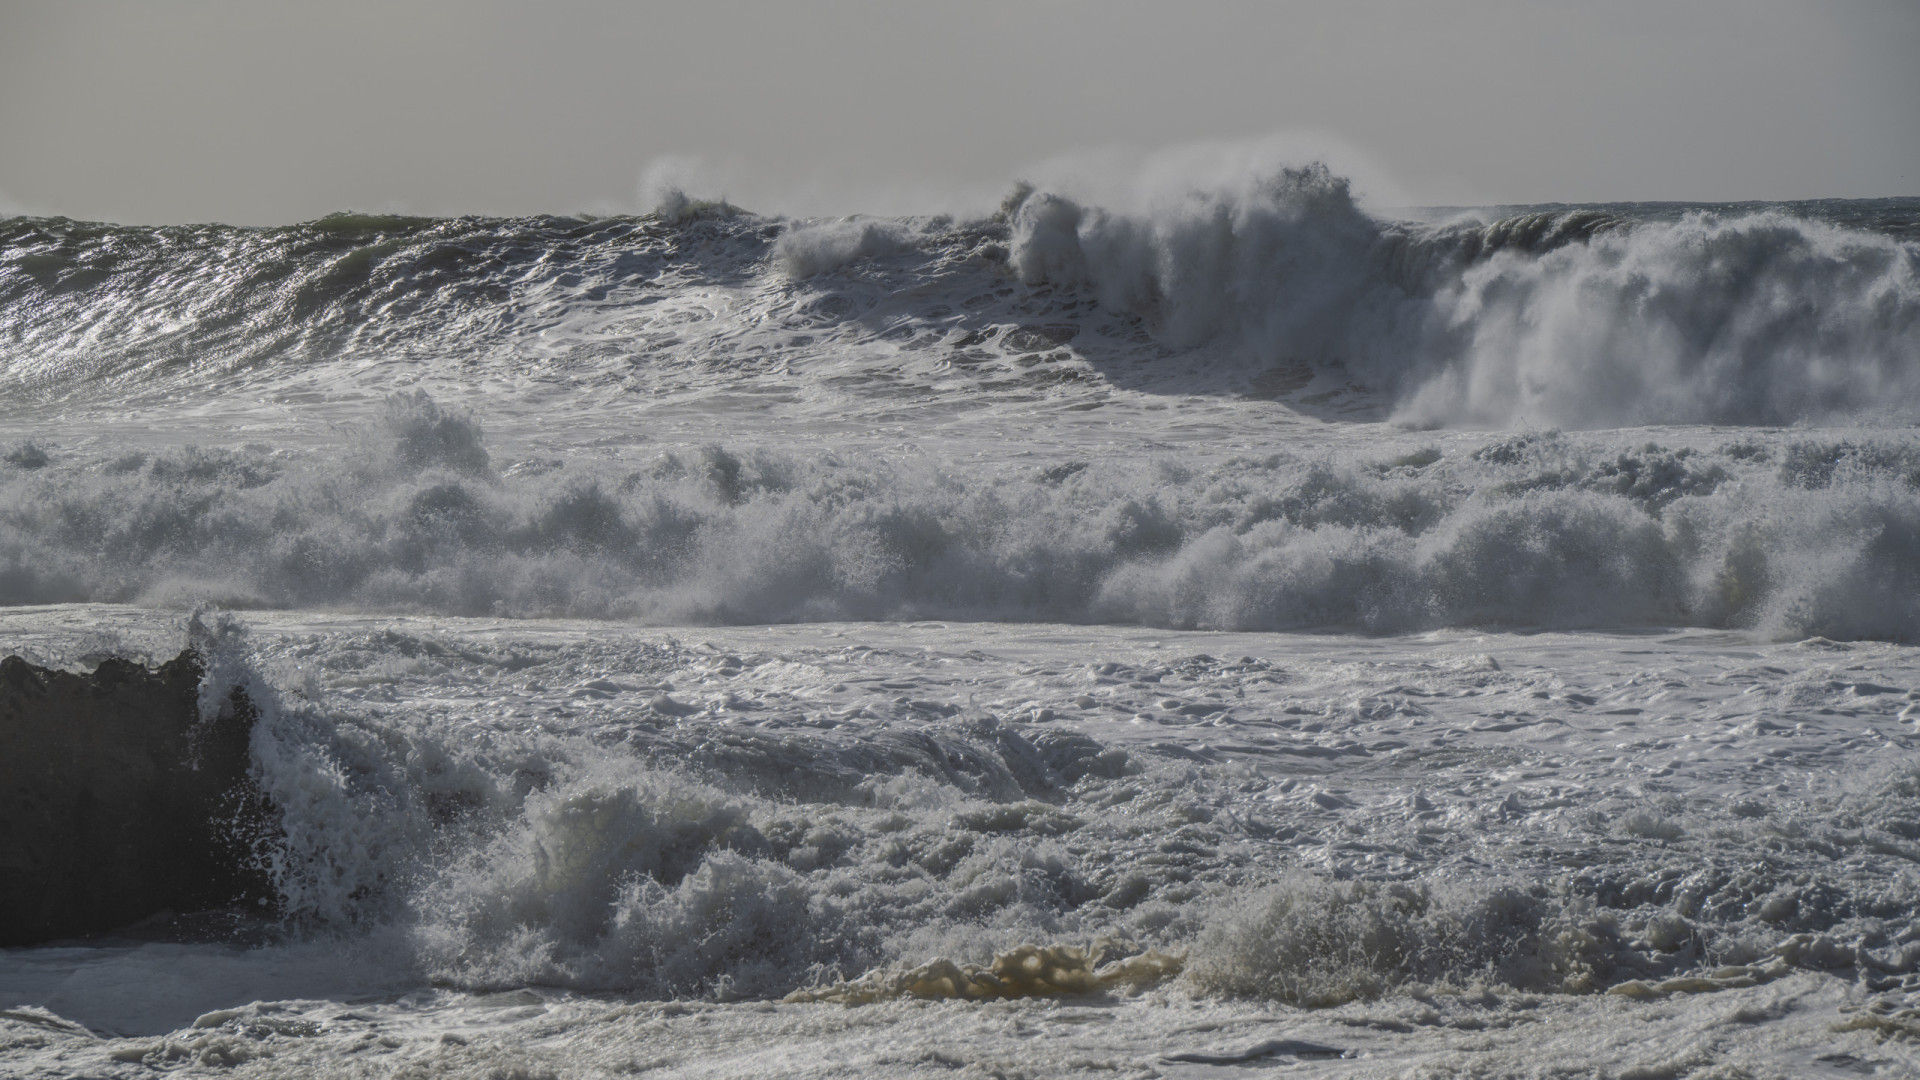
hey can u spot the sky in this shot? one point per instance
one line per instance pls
(258, 112)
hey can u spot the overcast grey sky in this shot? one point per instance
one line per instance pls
(255, 112)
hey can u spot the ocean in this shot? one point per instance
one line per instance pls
(1240, 631)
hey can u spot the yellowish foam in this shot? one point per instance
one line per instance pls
(1025, 971)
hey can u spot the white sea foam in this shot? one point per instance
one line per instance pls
(1790, 535)
(1408, 830)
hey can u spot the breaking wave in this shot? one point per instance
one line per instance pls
(1790, 535)
(1580, 319)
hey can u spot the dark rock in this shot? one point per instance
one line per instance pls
(119, 804)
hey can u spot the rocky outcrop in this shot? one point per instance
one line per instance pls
(118, 802)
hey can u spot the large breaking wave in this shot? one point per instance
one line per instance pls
(1576, 318)
(1583, 318)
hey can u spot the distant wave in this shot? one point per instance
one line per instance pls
(1576, 317)
(1791, 536)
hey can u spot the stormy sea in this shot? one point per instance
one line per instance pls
(1232, 631)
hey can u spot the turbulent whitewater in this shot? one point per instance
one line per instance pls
(1075, 326)
(1232, 629)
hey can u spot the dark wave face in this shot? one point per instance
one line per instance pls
(86, 301)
